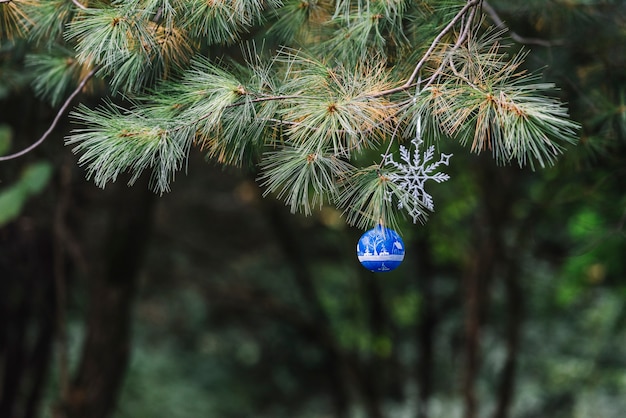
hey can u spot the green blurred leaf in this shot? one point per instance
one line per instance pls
(36, 177)
(32, 181)
(585, 224)
(5, 139)
(405, 309)
(11, 202)
(383, 346)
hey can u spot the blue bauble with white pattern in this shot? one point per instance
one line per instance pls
(380, 249)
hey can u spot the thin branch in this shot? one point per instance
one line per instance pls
(409, 83)
(515, 36)
(237, 104)
(438, 38)
(56, 119)
(259, 99)
(341, 131)
(79, 5)
(462, 37)
(391, 141)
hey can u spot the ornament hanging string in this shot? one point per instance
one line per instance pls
(418, 129)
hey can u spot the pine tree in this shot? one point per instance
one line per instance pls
(330, 102)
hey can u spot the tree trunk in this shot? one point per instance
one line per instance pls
(498, 191)
(105, 353)
(27, 306)
(514, 300)
(295, 257)
(427, 326)
(474, 301)
(375, 370)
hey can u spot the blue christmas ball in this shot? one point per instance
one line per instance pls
(380, 249)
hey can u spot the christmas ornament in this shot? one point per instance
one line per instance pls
(380, 249)
(412, 172)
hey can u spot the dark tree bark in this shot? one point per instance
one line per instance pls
(40, 359)
(514, 300)
(490, 253)
(294, 255)
(111, 292)
(27, 306)
(13, 352)
(375, 371)
(427, 326)
(475, 285)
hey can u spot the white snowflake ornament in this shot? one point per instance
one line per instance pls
(411, 174)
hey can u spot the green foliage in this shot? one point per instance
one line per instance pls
(405, 309)
(13, 19)
(108, 151)
(297, 20)
(127, 46)
(303, 176)
(490, 104)
(313, 96)
(32, 181)
(47, 20)
(365, 200)
(56, 74)
(5, 138)
(346, 80)
(222, 21)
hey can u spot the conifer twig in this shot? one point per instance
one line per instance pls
(514, 35)
(79, 5)
(438, 38)
(62, 110)
(431, 49)
(462, 36)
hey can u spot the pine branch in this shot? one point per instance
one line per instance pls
(308, 117)
(14, 20)
(501, 109)
(297, 20)
(410, 81)
(447, 60)
(115, 141)
(365, 198)
(48, 21)
(222, 22)
(468, 6)
(55, 72)
(305, 177)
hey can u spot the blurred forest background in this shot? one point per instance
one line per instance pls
(211, 301)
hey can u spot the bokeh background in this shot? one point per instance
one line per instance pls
(212, 301)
